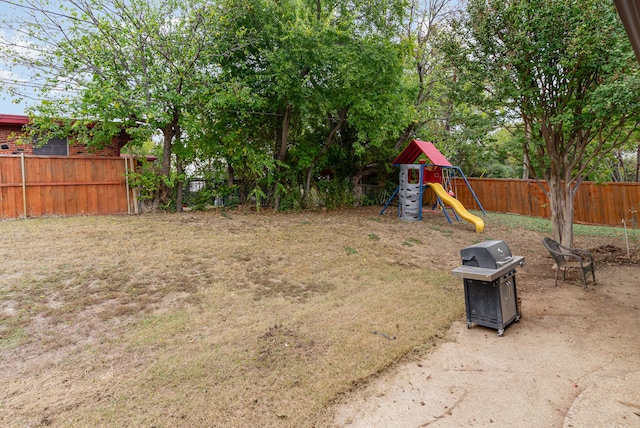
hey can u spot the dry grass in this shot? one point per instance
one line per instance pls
(219, 319)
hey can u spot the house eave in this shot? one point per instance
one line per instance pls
(629, 12)
(13, 119)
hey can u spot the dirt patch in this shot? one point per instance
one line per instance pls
(615, 256)
(280, 345)
(570, 362)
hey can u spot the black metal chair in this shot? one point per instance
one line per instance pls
(568, 258)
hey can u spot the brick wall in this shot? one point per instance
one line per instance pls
(8, 146)
(82, 150)
(7, 142)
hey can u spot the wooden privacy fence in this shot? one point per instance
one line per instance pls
(595, 203)
(34, 186)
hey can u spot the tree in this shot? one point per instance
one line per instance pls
(131, 65)
(564, 68)
(426, 73)
(269, 90)
(314, 69)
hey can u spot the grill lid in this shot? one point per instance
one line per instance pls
(487, 254)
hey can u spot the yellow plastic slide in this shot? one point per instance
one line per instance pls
(457, 205)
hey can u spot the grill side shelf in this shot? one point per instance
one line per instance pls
(486, 274)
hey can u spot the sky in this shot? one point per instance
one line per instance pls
(7, 105)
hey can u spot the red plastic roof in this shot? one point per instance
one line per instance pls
(13, 119)
(416, 148)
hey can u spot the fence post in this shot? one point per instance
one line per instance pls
(126, 181)
(134, 192)
(24, 185)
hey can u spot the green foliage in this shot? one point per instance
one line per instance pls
(215, 79)
(496, 154)
(411, 242)
(291, 201)
(258, 195)
(110, 67)
(350, 250)
(314, 62)
(202, 199)
(334, 193)
(427, 76)
(570, 85)
(266, 94)
(147, 180)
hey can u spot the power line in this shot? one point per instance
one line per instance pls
(76, 91)
(41, 10)
(26, 84)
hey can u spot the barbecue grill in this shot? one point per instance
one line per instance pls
(489, 273)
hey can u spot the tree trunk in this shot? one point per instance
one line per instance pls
(177, 132)
(356, 182)
(307, 186)
(566, 234)
(561, 196)
(404, 137)
(168, 132)
(562, 187)
(638, 164)
(231, 179)
(179, 185)
(525, 166)
(618, 174)
(282, 152)
(526, 162)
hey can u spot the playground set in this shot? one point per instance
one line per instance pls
(436, 175)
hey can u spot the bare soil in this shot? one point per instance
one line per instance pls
(571, 361)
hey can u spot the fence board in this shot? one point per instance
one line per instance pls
(81, 177)
(7, 197)
(62, 186)
(101, 175)
(595, 203)
(34, 194)
(92, 199)
(72, 186)
(68, 171)
(46, 192)
(15, 194)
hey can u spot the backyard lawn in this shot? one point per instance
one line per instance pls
(221, 318)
